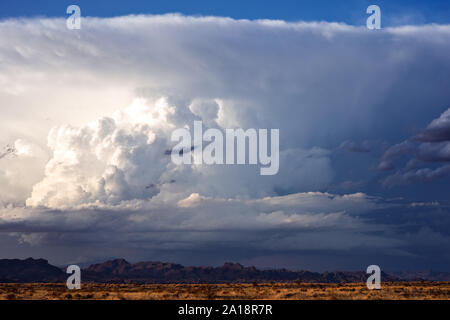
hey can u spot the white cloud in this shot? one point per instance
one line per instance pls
(20, 169)
(190, 220)
(64, 94)
(107, 161)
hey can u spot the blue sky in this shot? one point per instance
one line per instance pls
(349, 11)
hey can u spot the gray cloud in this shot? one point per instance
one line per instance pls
(431, 145)
(417, 176)
(394, 152)
(351, 146)
(299, 221)
(92, 112)
(437, 131)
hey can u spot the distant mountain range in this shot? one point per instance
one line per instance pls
(423, 275)
(121, 271)
(157, 272)
(29, 270)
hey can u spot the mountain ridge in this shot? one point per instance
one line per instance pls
(121, 271)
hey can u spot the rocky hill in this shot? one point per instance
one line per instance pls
(121, 271)
(29, 270)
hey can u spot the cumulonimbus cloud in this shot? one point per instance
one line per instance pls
(100, 104)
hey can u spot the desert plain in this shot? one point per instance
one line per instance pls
(423, 290)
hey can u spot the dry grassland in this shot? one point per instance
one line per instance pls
(275, 291)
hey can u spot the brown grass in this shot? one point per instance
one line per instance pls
(276, 291)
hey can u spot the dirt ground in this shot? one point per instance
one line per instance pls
(276, 291)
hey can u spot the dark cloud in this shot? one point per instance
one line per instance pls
(348, 185)
(431, 145)
(434, 152)
(394, 152)
(355, 147)
(416, 176)
(168, 152)
(437, 131)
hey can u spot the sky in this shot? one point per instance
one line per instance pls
(363, 116)
(350, 11)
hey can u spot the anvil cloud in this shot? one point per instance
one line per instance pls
(89, 114)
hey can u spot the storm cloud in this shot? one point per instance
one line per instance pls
(90, 113)
(430, 146)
